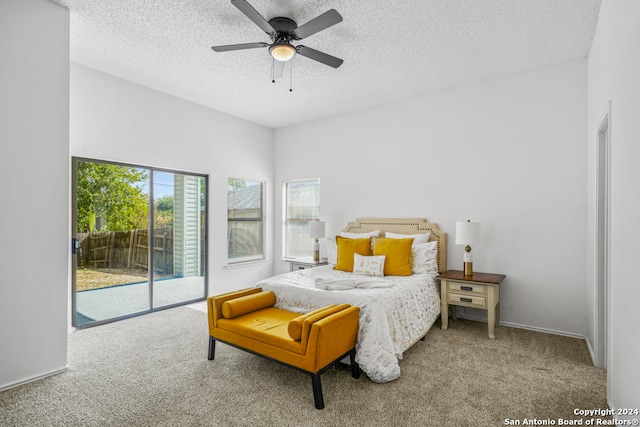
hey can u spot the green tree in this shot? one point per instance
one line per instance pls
(164, 211)
(110, 197)
(234, 184)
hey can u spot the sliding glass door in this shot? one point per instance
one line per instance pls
(178, 255)
(139, 240)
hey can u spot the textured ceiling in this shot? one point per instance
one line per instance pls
(391, 49)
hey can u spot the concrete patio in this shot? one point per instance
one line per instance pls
(121, 300)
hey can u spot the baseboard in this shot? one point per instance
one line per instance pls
(544, 330)
(32, 379)
(591, 351)
(530, 328)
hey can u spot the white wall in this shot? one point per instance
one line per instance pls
(112, 119)
(34, 177)
(508, 152)
(614, 67)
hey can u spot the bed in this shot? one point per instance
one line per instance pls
(395, 311)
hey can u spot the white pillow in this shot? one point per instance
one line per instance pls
(424, 258)
(417, 238)
(332, 251)
(374, 233)
(368, 265)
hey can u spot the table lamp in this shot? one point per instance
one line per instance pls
(316, 231)
(467, 233)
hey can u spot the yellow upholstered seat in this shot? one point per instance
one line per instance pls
(311, 342)
(267, 326)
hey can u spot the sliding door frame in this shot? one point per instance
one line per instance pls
(150, 271)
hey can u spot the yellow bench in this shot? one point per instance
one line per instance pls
(311, 343)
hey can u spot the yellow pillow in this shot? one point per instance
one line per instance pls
(347, 247)
(295, 325)
(248, 303)
(398, 255)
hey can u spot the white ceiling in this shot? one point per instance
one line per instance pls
(391, 49)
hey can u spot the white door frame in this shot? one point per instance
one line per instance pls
(602, 265)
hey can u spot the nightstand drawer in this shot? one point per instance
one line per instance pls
(296, 264)
(467, 300)
(467, 288)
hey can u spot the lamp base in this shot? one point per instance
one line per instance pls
(468, 269)
(316, 250)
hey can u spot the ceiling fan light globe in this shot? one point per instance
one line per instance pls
(282, 52)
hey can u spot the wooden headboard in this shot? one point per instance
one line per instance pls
(404, 226)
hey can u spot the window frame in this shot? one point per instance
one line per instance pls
(301, 220)
(260, 256)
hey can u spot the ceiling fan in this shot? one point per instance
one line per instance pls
(282, 32)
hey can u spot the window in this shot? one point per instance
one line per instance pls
(301, 206)
(245, 220)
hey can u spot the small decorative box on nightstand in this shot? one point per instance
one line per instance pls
(480, 290)
(306, 262)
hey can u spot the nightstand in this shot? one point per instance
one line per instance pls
(306, 262)
(480, 290)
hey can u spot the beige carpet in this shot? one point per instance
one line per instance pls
(153, 371)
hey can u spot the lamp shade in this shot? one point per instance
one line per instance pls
(316, 229)
(467, 233)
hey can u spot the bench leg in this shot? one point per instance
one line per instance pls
(317, 391)
(355, 369)
(212, 348)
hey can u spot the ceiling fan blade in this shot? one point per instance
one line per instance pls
(319, 23)
(242, 46)
(278, 69)
(253, 14)
(316, 55)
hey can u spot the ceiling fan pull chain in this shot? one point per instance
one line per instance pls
(273, 79)
(291, 76)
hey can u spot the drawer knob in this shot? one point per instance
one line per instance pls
(466, 300)
(466, 288)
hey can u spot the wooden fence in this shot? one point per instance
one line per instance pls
(127, 249)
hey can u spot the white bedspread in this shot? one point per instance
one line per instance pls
(395, 312)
